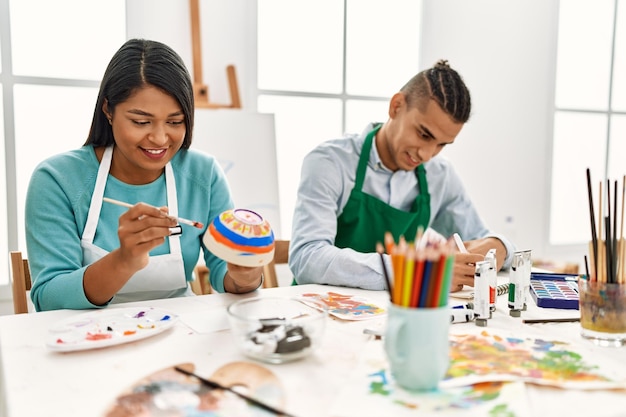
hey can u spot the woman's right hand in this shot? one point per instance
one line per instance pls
(142, 228)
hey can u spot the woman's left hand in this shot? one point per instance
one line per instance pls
(242, 279)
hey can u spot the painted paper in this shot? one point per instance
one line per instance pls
(372, 392)
(346, 306)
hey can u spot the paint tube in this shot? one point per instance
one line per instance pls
(526, 271)
(481, 292)
(519, 282)
(493, 280)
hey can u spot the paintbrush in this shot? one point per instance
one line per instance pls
(380, 250)
(594, 233)
(178, 219)
(217, 385)
(564, 320)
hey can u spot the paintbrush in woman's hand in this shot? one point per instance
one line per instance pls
(178, 219)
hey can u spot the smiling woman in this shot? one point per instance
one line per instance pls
(149, 128)
(85, 254)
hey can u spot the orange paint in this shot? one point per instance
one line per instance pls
(98, 336)
(224, 241)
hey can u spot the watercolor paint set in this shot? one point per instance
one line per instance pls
(551, 290)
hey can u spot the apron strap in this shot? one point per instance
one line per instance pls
(420, 171)
(172, 204)
(98, 193)
(364, 158)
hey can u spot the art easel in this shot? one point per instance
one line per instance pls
(201, 90)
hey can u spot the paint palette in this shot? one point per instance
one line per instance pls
(168, 392)
(347, 306)
(554, 290)
(108, 327)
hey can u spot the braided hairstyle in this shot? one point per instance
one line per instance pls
(442, 84)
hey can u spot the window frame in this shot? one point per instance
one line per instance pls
(8, 81)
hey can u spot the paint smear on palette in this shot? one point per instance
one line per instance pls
(168, 392)
(489, 356)
(108, 327)
(371, 391)
(346, 306)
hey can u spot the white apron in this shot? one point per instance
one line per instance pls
(164, 276)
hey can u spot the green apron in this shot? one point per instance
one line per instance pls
(365, 219)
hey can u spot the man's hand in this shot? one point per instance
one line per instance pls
(465, 263)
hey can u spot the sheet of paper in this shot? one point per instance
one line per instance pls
(347, 306)
(214, 320)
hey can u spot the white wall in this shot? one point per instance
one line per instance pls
(228, 37)
(506, 52)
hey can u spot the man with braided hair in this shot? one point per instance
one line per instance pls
(390, 178)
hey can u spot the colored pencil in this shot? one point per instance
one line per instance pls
(417, 278)
(397, 260)
(407, 282)
(389, 243)
(380, 250)
(418, 237)
(426, 283)
(422, 271)
(447, 281)
(434, 283)
(433, 300)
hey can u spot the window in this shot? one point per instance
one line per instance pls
(50, 79)
(328, 67)
(590, 112)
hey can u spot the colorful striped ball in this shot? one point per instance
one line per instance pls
(241, 237)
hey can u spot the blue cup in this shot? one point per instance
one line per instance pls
(417, 346)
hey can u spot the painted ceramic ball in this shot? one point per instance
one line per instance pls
(241, 237)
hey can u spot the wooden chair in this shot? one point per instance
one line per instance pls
(20, 282)
(281, 256)
(202, 285)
